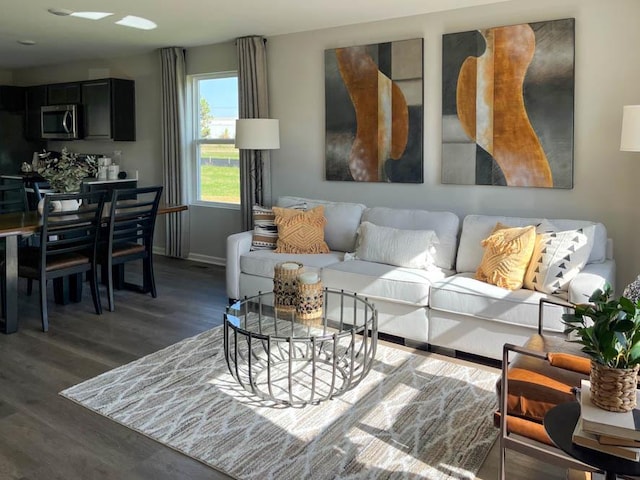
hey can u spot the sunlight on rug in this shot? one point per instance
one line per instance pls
(411, 417)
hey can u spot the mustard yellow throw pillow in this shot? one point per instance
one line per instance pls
(300, 232)
(507, 252)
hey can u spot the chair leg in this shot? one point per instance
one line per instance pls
(29, 286)
(94, 291)
(108, 270)
(43, 305)
(147, 274)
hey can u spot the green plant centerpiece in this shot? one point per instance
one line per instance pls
(609, 331)
(65, 174)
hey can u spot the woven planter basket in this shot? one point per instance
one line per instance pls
(284, 287)
(309, 301)
(613, 389)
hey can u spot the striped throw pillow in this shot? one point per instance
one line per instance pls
(265, 231)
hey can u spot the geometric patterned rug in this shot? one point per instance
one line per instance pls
(411, 417)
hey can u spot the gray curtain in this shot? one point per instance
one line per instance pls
(175, 172)
(255, 182)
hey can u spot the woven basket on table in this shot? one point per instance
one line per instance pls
(613, 389)
(284, 287)
(309, 302)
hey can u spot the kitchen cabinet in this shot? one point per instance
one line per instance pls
(11, 98)
(63, 93)
(109, 109)
(35, 97)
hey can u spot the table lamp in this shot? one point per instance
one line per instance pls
(257, 134)
(630, 138)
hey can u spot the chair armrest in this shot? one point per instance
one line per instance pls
(237, 245)
(571, 362)
(590, 278)
(550, 301)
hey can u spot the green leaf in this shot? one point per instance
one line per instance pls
(623, 326)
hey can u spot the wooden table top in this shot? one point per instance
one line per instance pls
(30, 222)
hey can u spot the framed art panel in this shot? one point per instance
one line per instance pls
(374, 112)
(507, 105)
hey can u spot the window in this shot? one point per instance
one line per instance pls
(216, 160)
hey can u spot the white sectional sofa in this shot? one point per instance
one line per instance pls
(442, 306)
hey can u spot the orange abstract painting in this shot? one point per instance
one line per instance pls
(507, 105)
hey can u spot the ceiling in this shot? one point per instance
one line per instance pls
(184, 23)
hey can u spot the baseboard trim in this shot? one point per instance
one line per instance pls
(195, 257)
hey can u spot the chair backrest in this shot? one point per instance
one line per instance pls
(132, 216)
(13, 198)
(41, 188)
(67, 229)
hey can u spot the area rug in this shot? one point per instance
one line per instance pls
(413, 416)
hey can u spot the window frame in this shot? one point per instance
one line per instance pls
(193, 100)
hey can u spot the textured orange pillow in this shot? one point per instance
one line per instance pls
(507, 252)
(300, 232)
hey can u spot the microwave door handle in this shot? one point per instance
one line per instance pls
(66, 115)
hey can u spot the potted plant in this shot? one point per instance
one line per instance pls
(609, 330)
(65, 174)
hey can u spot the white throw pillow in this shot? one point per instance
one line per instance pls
(557, 258)
(402, 248)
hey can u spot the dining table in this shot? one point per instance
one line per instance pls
(12, 227)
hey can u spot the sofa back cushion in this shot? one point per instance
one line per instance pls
(476, 228)
(444, 224)
(342, 224)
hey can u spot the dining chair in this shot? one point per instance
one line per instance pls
(132, 220)
(68, 246)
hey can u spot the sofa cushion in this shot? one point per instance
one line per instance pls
(377, 280)
(300, 232)
(476, 228)
(343, 220)
(262, 262)
(557, 259)
(402, 248)
(462, 294)
(507, 252)
(445, 224)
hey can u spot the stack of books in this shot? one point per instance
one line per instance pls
(609, 432)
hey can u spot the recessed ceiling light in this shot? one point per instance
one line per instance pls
(27, 42)
(137, 22)
(91, 15)
(63, 12)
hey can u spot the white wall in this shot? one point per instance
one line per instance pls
(607, 77)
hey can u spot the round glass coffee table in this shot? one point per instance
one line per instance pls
(295, 362)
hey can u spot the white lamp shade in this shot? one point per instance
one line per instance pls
(257, 133)
(630, 138)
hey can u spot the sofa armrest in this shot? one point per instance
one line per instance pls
(237, 245)
(592, 277)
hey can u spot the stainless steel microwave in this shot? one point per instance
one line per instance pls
(60, 122)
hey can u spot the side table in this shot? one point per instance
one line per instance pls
(560, 421)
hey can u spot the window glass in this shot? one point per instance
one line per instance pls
(217, 160)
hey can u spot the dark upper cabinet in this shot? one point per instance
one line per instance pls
(11, 98)
(63, 93)
(109, 109)
(35, 97)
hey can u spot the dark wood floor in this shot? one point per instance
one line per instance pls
(44, 436)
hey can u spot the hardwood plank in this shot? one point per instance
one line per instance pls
(44, 436)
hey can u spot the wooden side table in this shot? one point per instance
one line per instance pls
(560, 421)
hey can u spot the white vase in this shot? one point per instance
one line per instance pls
(60, 205)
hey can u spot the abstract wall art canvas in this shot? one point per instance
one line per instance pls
(507, 105)
(373, 112)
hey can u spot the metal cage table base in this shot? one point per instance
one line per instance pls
(282, 359)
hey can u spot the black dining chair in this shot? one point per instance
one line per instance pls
(68, 245)
(132, 221)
